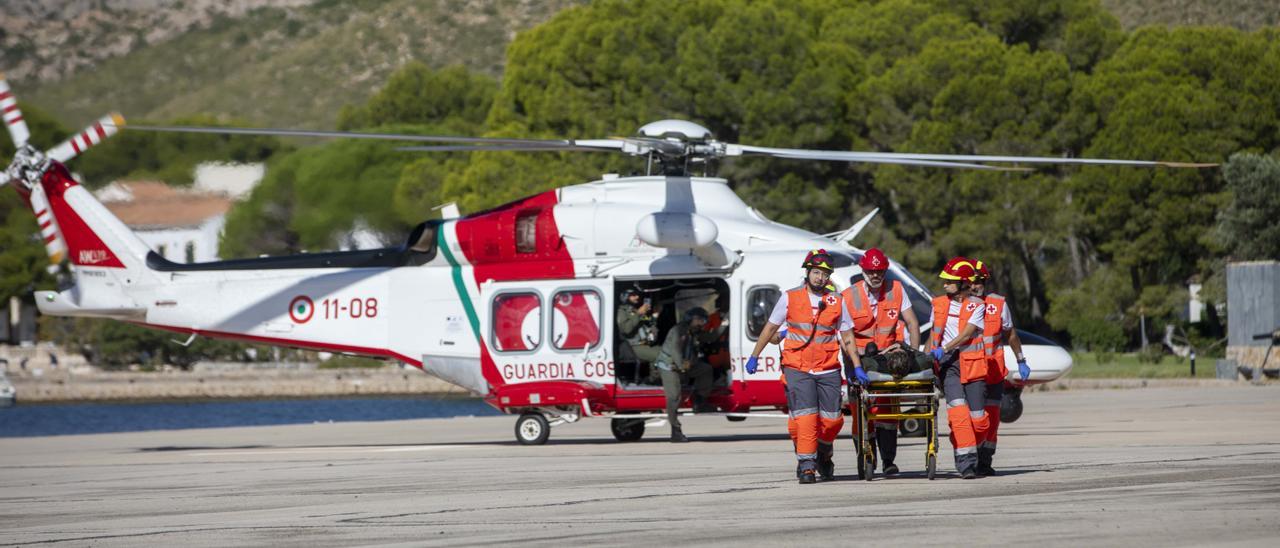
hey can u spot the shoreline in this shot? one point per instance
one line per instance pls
(246, 384)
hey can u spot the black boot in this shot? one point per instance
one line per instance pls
(826, 466)
(985, 456)
(677, 436)
(807, 472)
(887, 443)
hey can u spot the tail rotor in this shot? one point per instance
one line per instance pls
(29, 164)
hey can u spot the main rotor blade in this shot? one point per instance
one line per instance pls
(1047, 160)
(12, 116)
(838, 156)
(501, 148)
(349, 135)
(97, 132)
(964, 158)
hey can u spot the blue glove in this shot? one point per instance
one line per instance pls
(1023, 370)
(782, 334)
(753, 363)
(937, 354)
(861, 376)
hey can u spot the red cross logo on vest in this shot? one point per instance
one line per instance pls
(893, 314)
(991, 309)
(830, 299)
(970, 306)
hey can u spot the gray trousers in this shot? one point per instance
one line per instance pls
(974, 395)
(814, 402)
(672, 381)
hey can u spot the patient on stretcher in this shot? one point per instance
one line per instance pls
(898, 363)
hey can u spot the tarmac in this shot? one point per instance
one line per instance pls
(1139, 467)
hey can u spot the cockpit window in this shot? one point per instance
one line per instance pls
(1031, 338)
(760, 301)
(919, 300)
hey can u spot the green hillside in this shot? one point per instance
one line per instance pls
(291, 67)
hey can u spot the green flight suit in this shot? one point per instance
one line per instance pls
(630, 324)
(678, 362)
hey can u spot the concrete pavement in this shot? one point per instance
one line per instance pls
(1155, 466)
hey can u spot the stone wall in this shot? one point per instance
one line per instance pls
(80, 385)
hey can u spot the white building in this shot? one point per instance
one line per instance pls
(181, 225)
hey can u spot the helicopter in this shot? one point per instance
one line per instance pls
(514, 304)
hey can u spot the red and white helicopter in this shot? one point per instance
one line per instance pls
(514, 304)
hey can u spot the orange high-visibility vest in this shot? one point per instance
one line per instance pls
(880, 327)
(813, 340)
(973, 356)
(993, 334)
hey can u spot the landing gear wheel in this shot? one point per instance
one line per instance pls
(911, 428)
(1011, 407)
(930, 466)
(532, 429)
(627, 429)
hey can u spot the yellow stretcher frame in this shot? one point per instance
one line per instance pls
(894, 395)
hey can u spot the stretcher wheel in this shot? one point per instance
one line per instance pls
(930, 466)
(867, 466)
(532, 429)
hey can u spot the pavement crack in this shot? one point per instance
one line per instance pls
(375, 519)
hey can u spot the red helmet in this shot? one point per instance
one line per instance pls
(980, 269)
(874, 259)
(958, 269)
(820, 259)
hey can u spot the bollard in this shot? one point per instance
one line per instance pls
(1193, 364)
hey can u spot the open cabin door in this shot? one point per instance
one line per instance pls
(668, 303)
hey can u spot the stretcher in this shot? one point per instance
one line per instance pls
(914, 396)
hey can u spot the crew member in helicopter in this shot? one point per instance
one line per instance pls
(679, 360)
(818, 326)
(638, 327)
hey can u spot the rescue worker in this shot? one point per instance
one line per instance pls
(636, 325)
(818, 326)
(997, 328)
(962, 361)
(876, 309)
(678, 361)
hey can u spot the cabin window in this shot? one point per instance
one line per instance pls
(517, 322)
(575, 319)
(160, 250)
(760, 302)
(191, 252)
(527, 232)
